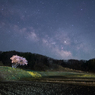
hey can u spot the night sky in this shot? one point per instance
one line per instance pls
(60, 29)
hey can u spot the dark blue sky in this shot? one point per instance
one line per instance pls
(61, 29)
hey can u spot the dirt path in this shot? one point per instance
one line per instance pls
(44, 88)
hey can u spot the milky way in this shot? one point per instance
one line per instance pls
(61, 29)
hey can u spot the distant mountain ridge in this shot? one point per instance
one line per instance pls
(42, 63)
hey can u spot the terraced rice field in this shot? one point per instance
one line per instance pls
(14, 81)
(44, 88)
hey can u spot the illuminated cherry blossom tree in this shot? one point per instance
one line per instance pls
(17, 60)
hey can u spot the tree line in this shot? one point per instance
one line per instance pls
(42, 63)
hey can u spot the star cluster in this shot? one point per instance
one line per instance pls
(61, 29)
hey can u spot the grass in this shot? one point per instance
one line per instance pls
(15, 74)
(67, 74)
(79, 87)
(11, 74)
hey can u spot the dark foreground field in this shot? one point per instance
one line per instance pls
(45, 88)
(15, 81)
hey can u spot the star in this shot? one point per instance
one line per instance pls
(58, 28)
(81, 9)
(65, 42)
(72, 25)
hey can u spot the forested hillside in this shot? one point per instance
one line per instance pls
(42, 63)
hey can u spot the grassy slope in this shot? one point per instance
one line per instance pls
(9, 74)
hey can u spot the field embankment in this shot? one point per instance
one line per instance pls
(15, 81)
(16, 74)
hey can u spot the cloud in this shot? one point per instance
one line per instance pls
(32, 36)
(59, 44)
(28, 33)
(55, 49)
(45, 41)
(84, 47)
(48, 42)
(63, 38)
(62, 53)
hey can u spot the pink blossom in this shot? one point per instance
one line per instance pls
(17, 60)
